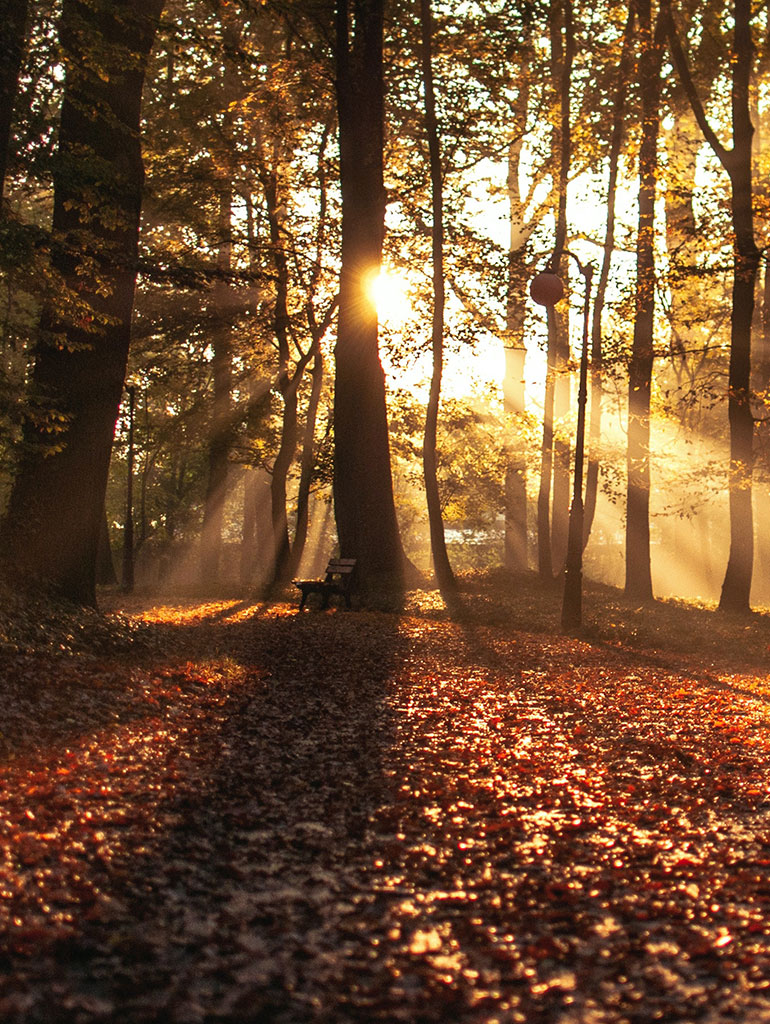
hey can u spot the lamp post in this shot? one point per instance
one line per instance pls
(547, 289)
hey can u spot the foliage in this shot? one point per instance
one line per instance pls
(499, 820)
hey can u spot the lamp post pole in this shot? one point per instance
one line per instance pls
(547, 289)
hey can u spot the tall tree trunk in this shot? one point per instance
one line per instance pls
(441, 565)
(736, 588)
(544, 559)
(597, 352)
(556, 453)
(221, 427)
(363, 487)
(516, 557)
(638, 585)
(287, 382)
(13, 18)
(128, 525)
(318, 331)
(563, 53)
(51, 528)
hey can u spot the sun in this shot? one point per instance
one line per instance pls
(388, 291)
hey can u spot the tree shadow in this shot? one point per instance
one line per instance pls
(263, 818)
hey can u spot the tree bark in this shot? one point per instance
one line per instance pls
(363, 488)
(638, 585)
(51, 528)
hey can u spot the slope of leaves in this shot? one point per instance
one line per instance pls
(246, 814)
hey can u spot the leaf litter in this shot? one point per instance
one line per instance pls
(230, 812)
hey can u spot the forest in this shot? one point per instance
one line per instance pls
(266, 274)
(473, 298)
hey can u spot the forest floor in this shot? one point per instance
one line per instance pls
(230, 811)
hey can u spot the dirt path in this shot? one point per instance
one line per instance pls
(361, 817)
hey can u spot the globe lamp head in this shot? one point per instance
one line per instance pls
(547, 289)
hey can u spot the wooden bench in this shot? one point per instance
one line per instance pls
(337, 580)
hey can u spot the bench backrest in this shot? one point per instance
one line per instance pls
(340, 567)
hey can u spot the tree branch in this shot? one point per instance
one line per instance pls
(683, 70)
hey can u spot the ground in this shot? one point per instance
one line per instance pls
(229, 811)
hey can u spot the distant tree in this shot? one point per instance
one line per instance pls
(51, 527)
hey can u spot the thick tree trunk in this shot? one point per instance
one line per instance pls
(736, 588)
(638, 584)
(441, 565)
(13, 19)
(51, 528)
(363, 487)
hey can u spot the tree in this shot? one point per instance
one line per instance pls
(441, 565)
(638, 585)
(737, 162)
(13, 18)
(597, 348)
(554, 470)
(51, 527)
(363, 489)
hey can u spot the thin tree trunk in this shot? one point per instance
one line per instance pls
(516, 554)
(128, 525)
(221, 430)
(638, 585)
(441, 565)
(563, 53)
(306, 461)
(544, 560)
(287, 382)
(363, 488)
(13, 19)
(597, 354)
(51, 529)
(555, 457)
(105, 567)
